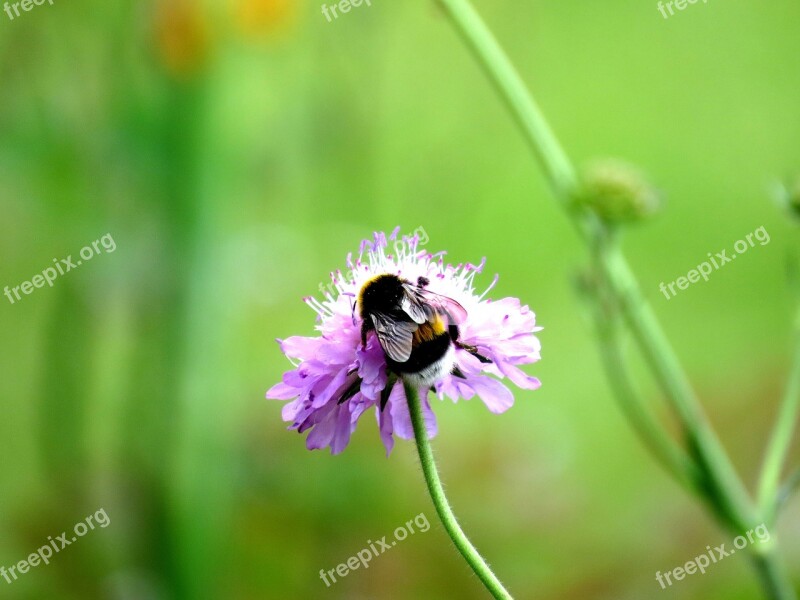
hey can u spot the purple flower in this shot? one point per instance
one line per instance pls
(336, 380)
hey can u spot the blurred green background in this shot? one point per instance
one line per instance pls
(237, 151)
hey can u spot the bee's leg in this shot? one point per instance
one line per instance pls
(351, 390)
(386, 392)
(454, 333)
(457, 373)
(364, 330)
(474, 351)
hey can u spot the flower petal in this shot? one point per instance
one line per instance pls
(341, 435)
(497, 397)
(281, 391)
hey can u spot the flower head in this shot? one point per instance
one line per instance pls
(336, 378)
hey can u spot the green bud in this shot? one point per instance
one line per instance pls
(617, 191)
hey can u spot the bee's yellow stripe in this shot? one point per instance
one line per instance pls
(438, 325)
(429, 331)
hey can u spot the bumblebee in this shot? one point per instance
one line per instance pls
(416, 328)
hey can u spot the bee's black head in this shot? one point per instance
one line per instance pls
(381, 294)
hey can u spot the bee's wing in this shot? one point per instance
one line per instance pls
(394, 336)
(415, 307)
(421, 305)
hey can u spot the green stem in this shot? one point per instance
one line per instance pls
(773, 576)
(441, 504)
(787, 489)
(653, 436)
(523, 107)
(781, 440)
(725, 487)
(638, 315)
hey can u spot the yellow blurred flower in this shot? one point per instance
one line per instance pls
(182, 35)
(260, 17)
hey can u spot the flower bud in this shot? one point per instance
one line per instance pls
(617, 191)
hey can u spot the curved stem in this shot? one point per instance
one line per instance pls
(725, 482)
(725, 488)
(524, 109)
(463, 545)
(725, 485)
(781, 438)
(661, 445)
